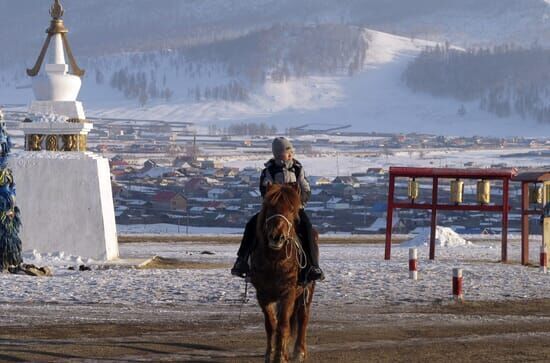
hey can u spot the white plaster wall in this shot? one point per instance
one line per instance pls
(66, 203)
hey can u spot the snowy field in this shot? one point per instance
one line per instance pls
(356, 274)
(348, 164)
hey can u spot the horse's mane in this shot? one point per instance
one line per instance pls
(282, 194)
(279, 195)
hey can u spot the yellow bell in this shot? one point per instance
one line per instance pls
(413, 189)
(483, 192)
(457, 191)
(535, 194)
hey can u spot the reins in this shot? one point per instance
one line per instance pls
(245, 297)
(300, 253)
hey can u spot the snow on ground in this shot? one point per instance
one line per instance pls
(444, 237)
(356, 274)
(54, 258)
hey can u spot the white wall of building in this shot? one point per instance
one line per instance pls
(66, 203)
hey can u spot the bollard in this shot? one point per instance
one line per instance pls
(457, 285)
(543, 259)
(413, 264)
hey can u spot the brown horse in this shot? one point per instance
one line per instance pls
(276, 263)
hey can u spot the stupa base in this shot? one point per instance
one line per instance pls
(66, 203)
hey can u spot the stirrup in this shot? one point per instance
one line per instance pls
(315, 274)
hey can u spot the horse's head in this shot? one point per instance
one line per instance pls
(281, 206)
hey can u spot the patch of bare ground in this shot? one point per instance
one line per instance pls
(512, 331)
(158, 262)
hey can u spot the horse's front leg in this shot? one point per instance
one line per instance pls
(270, 318)
(286, 308)
(300, 349)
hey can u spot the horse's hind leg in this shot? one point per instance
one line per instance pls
(300, 349)
(270, 326)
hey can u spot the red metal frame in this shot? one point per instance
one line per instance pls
(526, 179)
(447, 173)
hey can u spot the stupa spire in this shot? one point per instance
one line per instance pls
(57, 31)
(56, 11)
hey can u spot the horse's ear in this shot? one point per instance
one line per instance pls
(296, 187)
(268, 186)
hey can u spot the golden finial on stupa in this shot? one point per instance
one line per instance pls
(56, 27)
(56, 11)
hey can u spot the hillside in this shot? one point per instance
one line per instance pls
(371, 97)
(100, 27)
(284, 63)
(503, 80)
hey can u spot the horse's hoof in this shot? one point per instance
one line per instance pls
(300, 357)
(280, 359)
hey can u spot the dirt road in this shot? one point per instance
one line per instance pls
(510, 331)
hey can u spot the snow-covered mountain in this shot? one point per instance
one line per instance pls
(284, 62)
(373, 98)
(105, 27)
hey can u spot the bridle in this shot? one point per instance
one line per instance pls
(283, 238)
(283, 217)
(288, 240)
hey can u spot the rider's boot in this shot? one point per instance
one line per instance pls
(315, 273)
(241, 268)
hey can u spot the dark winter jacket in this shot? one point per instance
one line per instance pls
(282, 172)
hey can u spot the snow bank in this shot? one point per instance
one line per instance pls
(54, 258)
(48, 118)
(444, 237)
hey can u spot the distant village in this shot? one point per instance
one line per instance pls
(163, 173)
(179, 186)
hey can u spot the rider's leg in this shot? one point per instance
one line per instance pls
(305, 230)
(247, 244)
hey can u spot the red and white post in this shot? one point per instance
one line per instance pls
(543, 259)
(457, 285)
(413, 264)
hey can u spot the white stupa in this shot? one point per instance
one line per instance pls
(55, 89)
(64, 192)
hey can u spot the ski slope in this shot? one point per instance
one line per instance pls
(373, 100)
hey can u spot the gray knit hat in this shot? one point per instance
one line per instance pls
(280, 146)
